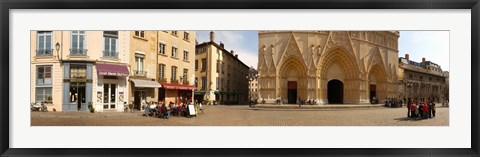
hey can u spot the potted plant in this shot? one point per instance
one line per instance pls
(90, 106)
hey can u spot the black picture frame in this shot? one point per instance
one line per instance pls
(7, 5)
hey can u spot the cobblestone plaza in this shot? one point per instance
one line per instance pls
(245, 116)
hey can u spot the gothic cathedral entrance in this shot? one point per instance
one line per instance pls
(335, 92)
(292, 92)
(373, 91)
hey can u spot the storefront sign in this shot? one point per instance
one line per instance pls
(106, 73)
(78, 80)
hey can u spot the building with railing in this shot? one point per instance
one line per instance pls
(175, 67)
(79, 70)
(219, 74)
(421, 80)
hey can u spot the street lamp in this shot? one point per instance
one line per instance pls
(57, 47)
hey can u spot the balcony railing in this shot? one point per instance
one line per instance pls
(162, 80)
(172, 80)
(110, 54)
(140, 73)
(186, 82)
(44, 52)
(78, 52)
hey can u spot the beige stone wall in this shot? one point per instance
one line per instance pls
(234, 72)
(179, 61)
(314, 58)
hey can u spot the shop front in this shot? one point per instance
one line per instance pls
(77, 83)
(111, 87)
(176, 93)
(144, 91)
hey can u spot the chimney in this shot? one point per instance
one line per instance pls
(212, 36)
(423, 60)
(236, 55)
(221, 45)
(232, 52)
(407, 56)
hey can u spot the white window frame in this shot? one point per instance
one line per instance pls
(44, 34)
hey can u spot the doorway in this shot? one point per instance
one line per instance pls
(139, 98)
(373, 91)
(77, 95)
(292, 92)
(109, 96)
(335, 92)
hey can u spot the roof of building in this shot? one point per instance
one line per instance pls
(421, 66)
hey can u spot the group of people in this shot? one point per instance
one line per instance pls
(393, 102)
(421, 109)
(164, 111)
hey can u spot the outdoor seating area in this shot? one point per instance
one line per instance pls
(160, 110)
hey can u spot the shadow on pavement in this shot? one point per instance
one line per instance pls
(405, 119)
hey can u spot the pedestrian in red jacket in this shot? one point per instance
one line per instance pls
(425, 111)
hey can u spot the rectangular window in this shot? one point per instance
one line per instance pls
(204, 64)
(140, 34)
(222, 67)
(44, 75)
(217, 84)
(204, 83)
(174, 73)
(218, 66)
(78, 45)
(43, 94)
(174, 51)
(196, 65)
(161, 48)
(185, 76)
(44, 43)
(139, 63)
(174, 33)
(204, 49)
(110, 45)
(161, 71)
(223, 84)
(185, 55)
(78, 71)
(186, 36)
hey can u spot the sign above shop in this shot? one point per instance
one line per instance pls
(112, 70)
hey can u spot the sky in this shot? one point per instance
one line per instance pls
(433, 45)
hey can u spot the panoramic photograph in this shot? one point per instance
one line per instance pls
(239, 78)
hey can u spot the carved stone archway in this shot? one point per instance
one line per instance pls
(377, 76)
(292, 69)
(349, 69)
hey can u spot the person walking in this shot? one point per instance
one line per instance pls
(433, 109)
(429, 109)
(408, 110)
(425, 111)
(413, 110)
(420, 109)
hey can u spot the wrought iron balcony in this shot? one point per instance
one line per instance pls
(110, 54)
(172, 80)
(44, 52)
(162, 80)
(78, 52)
(140, 73)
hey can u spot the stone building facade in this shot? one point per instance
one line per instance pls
(421, 80)
(253, 84)
(77, 70)
(219, 75)
(327, 66)
(175, 68)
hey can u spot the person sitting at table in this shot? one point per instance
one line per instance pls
(165, 112)
(148, 111)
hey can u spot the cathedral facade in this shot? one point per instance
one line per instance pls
(330, 67)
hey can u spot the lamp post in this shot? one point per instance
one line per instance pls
(57, 47)
(407, 86)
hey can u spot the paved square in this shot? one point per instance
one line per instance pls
(245, 116)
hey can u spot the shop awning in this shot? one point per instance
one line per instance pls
(112, 70)
(199, 92)
(177, 86)
(146, 83)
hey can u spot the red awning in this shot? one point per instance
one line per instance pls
(177, 86)
(112, 70)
